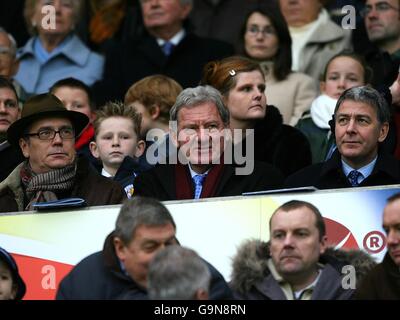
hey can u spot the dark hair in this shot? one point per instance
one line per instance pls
(283, 57)
(393, 198)
(370, 96)
(222, 74)
(76, 84)
(18, 282)
(6, 83)
(368, 72)
(297, 204)
(139, 211)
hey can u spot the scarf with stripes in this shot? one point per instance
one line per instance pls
(43, 187)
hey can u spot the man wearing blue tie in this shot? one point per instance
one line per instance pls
(361, 124)
(200, 169)
(165, 47)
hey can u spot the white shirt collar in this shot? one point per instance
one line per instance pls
(105, 173)
(175, 39)
(194, 173)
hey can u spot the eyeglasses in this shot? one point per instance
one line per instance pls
(380, 7)
(254, 30)
(49, 134)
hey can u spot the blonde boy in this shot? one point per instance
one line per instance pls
(117, 143)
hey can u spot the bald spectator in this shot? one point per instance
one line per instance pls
(315, 37)
(165, 48)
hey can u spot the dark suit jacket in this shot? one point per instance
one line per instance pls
(10, 158)
(129, 63)
(329, 174)
(160, 182)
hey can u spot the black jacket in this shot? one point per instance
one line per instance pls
(10, 158)
(329, 174)
(283, 146)
(99, 276)
(160, 182)
(129, 63)
(383, 282)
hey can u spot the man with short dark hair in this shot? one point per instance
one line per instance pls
(383, 282)
(77, 96)
(382, 23)
(295, 264)
(360, 125)
(10, 112)
(144, 227)
(46, 134)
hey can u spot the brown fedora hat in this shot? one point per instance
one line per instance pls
(42, 106)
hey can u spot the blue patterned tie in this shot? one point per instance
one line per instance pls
(353, 177)
(198, 184)
(167, 48)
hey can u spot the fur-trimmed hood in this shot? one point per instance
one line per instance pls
(250, 267)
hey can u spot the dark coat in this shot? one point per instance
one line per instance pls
(95, 189)
(127, 64)
(329, 174)
(160, 182)
(126, 174)
(252, 278)
(382, 282)
(283, 146)
(10, 158)
(99, 276)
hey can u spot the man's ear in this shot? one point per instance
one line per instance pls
(24, 145)
(119, 248)
(201, 294)
(323, 244)
(186, 9)
(94, 149)
(384, 130)
(332, 126)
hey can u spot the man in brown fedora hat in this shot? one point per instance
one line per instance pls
(46, 134)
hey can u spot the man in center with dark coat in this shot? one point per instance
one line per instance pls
(201, 169)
